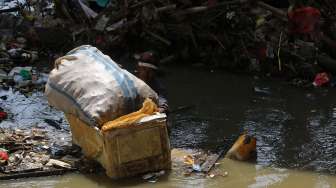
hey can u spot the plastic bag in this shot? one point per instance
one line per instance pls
(90, 85)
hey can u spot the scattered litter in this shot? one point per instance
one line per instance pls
(3, 156)
(153, 177)
(321, 79)
(57, 164)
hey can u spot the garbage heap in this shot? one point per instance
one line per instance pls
(29, 41)
(292, 39)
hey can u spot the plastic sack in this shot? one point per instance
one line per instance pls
(90, 85)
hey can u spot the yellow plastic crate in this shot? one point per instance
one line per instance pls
(125, 152)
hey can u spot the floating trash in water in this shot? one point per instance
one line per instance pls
(153, 177)
(264, 91)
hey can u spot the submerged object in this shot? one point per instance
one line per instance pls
(243, 149)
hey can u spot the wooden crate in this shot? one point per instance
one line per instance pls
(125, 152)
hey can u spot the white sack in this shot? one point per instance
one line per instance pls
(90, 85)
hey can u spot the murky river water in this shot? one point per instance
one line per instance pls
(240, 175)
(295, 130)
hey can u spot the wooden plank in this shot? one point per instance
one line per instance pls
(210, 162)
(36, 174)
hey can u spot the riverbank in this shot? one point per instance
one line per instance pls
(263, 38)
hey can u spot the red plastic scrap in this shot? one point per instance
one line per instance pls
(259, 51)
(100, 40)
(321, 79)
(303, 20)
(262, 53)
(147, 56)
(3, 115)
(3, 155)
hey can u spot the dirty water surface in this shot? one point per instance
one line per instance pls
(295, 130)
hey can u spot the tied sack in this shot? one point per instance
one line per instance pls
(90, 85)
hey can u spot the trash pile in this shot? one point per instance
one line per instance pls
(26, 153)
(18, 66)
(35, 139)
(291, 39)
(191, 163)
(197, 163)
(202, 162)
(294, 40)
(206, 163)
(22, 55)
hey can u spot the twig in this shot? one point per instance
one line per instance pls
(218, 15)
(167, 42)
(166, 8)
(218, 41)
(279, 48)
(192, 36)
(277, 12)
(199, 9)
(140, 4)
(244, 47)
(167, 59)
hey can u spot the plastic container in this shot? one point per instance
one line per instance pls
(125, 152)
